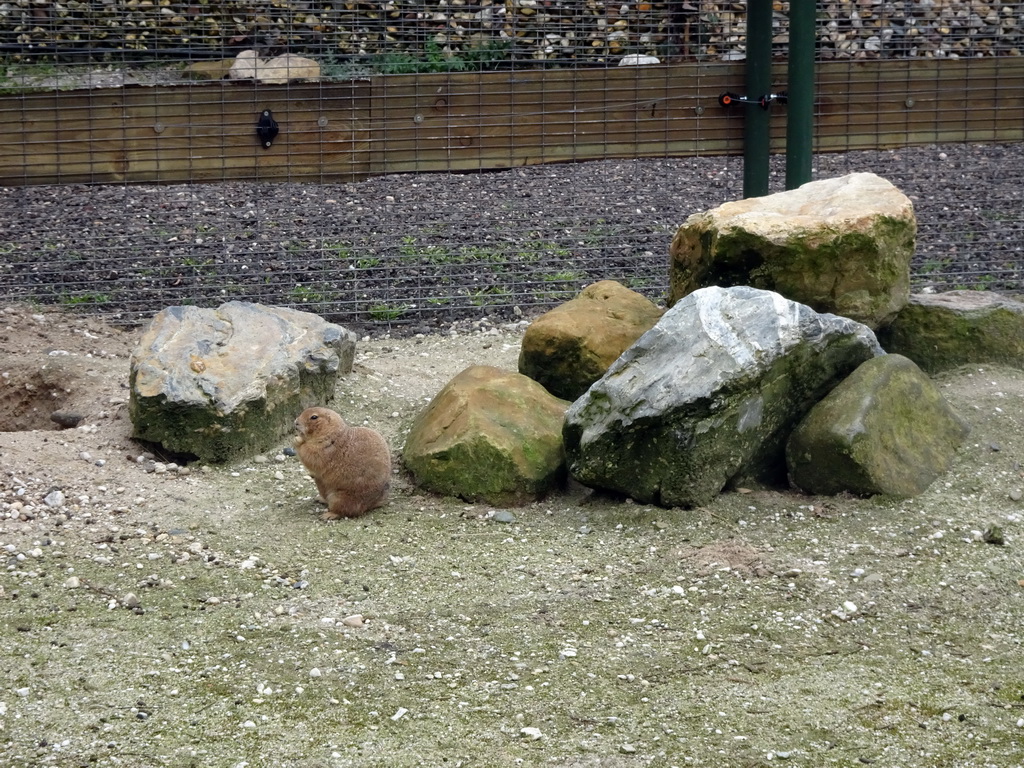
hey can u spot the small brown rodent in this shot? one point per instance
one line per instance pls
(351, 466)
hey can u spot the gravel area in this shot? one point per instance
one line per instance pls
(415, 253)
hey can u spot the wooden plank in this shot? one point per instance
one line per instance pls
(470, 121)
(187, 133)
(521, 118)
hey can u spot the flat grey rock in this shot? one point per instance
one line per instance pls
(226, 383)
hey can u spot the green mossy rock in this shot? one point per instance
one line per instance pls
(707, 397)
(489, 436)
(839, 245)
(228, 383)
(886, 430)
(946, 330)
(569, 348)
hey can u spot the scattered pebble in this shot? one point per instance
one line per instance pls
(54, 499)
(993, 535)
(66, 419)
(531, 733)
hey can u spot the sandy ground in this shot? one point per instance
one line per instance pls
(150, 616)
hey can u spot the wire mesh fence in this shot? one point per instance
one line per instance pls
(451, 160)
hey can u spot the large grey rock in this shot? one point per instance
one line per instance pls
(840, 245)
(224, 383)
(946, 330)
(569, 348)
(489, 435)
(885, 429)
(709, 395)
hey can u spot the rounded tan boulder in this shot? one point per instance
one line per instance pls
(569, 348)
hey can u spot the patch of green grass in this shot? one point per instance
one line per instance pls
(985, 282)
(489, 56)
(305, 295)
(534, 250)
(86, 299)
(410, 249)
(638, 283)
(338, 250)
(932, 265)
(485, 297)
(496, 260)
(384, 311)
(563, 276)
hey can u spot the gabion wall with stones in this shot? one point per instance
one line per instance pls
(483, 32)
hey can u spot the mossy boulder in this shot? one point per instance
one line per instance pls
(226, 383)
(886, 430)
(840, 245)
(569, 348)
(707, 397)
(490, 436)
(946, 330)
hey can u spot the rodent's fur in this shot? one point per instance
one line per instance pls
(351, 466)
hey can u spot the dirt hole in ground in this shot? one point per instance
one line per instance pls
(30, 396)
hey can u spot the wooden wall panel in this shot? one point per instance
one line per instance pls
(470, 121)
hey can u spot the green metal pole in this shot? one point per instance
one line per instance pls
(759, 83)
(800, 112)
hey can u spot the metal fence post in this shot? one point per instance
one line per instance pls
(800, 112)
(759, 83)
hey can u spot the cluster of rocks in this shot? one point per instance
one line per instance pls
(738, 385)
(766, 369)
(929, 28)
(478, 30)
(871, 29)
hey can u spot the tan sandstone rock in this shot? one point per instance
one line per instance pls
(276, 71)
(489, 435)
(245, 66)
(569, 348)
(209, 70)
(288, 67)
(840, 245)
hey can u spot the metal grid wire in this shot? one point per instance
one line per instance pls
(460, 159)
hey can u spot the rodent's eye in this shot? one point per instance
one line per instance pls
(314, 417)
